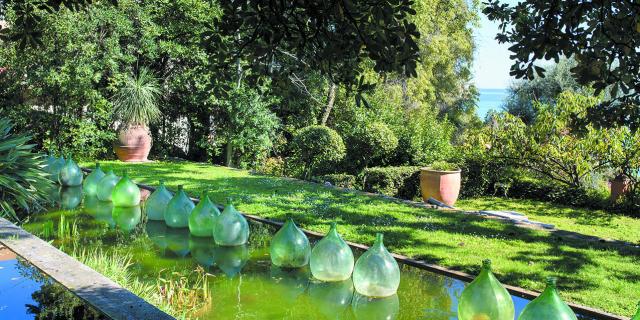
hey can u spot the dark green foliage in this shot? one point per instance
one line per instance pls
(370, 142)
(24, 185)
(399, 182)
(316, 149)
(602, 36)
(342, 180)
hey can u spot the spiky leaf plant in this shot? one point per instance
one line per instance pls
(24, 185)
(136, 103)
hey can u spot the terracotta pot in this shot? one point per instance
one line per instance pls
(620, 186)
(134, 144)
(443, 186)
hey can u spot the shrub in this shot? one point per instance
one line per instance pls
(400, 182)
(341, 180)
(273, 166)
(316, 148)
(443, 166)
(425, 138)
(23, 182)
(370, 142)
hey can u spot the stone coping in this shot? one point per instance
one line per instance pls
(97, 290)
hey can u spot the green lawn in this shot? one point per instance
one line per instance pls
(594, 274)
(597, 223)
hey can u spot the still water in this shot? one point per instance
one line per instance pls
(241, 280)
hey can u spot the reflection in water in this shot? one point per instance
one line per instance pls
(100, 210)
(332, 298)
(70, 197)
(157, 232)
(202, 250)
(127, 218)
(366, 308)
(231, 260)
(90, 204)
(293, 282)
(178, 241)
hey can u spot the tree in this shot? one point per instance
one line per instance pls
(316, 148)
(602, 36)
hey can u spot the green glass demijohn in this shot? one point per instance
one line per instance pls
(637, 316)
(55, 167)
(156, 205)
(90, 184)
(203, 217)
(178, 210)
(331, 258)
(231, 228)
(126, 218)
(485, 298)
(70, 174)
(290, 247)
(106, 185)
(548, 305)
(376, 273)
(125, 193)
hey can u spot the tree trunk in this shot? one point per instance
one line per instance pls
(229, 155)
(331, 96)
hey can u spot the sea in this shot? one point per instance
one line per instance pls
(490, 99)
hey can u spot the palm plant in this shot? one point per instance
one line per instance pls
(136, 103)
(24, 184)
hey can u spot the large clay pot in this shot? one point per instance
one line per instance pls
(134, 144)
(443, 186)
(620, 186)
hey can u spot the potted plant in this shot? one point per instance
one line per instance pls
(440, 181)
(136, 106)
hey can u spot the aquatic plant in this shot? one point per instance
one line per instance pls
(485, 298)
(376, 273)
(290, 247)
(331, 258)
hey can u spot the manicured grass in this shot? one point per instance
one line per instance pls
(595, 274)
(597, 223)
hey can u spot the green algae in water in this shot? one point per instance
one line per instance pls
(106, 185)
(331, 258)
(290, 247)
(125, 193)
(231, 228)
(376, 273)
(178, 210)
(90, 184)
(156, 205)
(485, 298)
(203, 217)
(548, 305)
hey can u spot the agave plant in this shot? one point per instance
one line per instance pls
(24, 184)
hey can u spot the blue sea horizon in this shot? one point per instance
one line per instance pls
(490, 99)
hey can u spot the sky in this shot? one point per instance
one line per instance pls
(492, 63)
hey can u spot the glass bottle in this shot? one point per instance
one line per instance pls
(368, 308)
(156, 205)
(485, 298)
(70, 174)
(231, 228)
(290, 247)
(376, 273)
(548, 305)
(178, 210)
(90, 184)
(106, 185)
(55, 167)
(331, 258)
(125, 193)
(203, 217)
(126, 218)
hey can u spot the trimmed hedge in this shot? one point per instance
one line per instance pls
(341, 180)
(400, 182)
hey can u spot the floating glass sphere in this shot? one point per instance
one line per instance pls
(70, 197)
(70, 174)
(290, 247)
(90, 184)
(548, 305)
(126, 218)
(178, 241)
(156, 205)
(55, 167)
(157, 233)
(202, 250)
(125, 193)
(331, 258)
(231, 260)
(485, 298)
(178, 210)
(106, 185)
(368, 308)
(203, 217)
(231, 228)
(376, 273)
(332, 298)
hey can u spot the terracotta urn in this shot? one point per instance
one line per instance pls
(443, 186)
(620, 185)
(133, 144)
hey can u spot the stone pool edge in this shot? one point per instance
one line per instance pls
(94, 288)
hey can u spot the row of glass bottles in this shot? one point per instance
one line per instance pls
(109, 187)
(375, 274)
(65, 172)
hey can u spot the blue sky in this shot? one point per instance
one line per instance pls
(491, 65)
